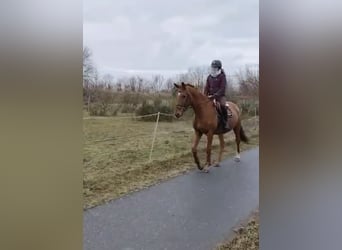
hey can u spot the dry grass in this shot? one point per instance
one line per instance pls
(116, 154)
(246, 237)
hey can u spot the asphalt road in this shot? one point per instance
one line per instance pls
(192, 211)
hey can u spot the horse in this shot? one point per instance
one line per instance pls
(206, 122)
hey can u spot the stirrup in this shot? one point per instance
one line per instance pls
(226, 125)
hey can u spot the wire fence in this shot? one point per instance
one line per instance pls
(126, 117)
(125, 138)
(121, 140)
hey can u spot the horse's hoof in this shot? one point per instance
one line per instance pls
(205, 170)
(237, 159)
(217, 165)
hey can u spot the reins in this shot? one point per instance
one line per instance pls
(184, 108)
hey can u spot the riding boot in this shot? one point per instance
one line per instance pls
(225, 117)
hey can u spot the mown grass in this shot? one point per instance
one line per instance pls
(246, 237)
(116, 154)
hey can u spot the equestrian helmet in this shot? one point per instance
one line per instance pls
(216, 64)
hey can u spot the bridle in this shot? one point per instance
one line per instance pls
(184, 108)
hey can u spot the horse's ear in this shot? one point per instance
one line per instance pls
(176, 85)
(183, 85)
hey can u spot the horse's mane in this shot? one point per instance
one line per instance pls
(194, 89)
(190, 85)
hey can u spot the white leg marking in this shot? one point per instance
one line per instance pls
(237, 157)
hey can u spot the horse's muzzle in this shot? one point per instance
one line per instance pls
(179, 111)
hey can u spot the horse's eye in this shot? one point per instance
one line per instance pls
(183, 96)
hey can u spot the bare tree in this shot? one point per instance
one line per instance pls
(184, 77)
(140, 82)
(89, 73)
(198, 75)
(132, 83)
(169, 84)
(118, 87)
(108, 79)
(248, 80)
(230, 92)
(95, 80)
(120, 84)
(88, 65)
(148, 88)
(157, 83)
(127, 87)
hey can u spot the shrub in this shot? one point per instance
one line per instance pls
(147, 109)
(157, 102)
(245, 107)
(128, 108)
(249, 108)
(97, 109)
(100, 109)
(114, 109)
(166, 110)
(254, 110)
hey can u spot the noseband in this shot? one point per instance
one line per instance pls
(184, 108)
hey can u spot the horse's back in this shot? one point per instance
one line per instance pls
(234, 107)
(235, 119)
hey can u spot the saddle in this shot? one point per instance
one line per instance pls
(220, 116)
(218, 109)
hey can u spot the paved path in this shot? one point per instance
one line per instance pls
(192, 211)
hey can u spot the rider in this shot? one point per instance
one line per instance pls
(215, 88)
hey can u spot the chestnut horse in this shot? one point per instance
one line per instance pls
(206, 122)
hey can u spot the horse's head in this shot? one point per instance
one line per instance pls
(182, 101)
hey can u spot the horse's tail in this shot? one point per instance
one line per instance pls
(243, 136)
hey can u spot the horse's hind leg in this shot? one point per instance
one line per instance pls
(237, 140)
(197, 138)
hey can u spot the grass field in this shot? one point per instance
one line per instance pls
(246, 236)
(116, 154)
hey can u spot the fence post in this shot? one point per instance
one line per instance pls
(154, 136)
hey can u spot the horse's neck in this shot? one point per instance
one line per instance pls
(198, 101)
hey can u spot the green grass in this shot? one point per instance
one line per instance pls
(116, 154)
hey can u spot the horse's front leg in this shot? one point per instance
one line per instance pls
(197, 138)
(217, 164)
(210, 136)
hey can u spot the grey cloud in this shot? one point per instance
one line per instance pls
(170, 36)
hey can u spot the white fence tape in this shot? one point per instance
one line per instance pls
(154, 134)
(123, 139)
(128, 137)
(125, 117)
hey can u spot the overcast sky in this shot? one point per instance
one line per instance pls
(167, 37)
